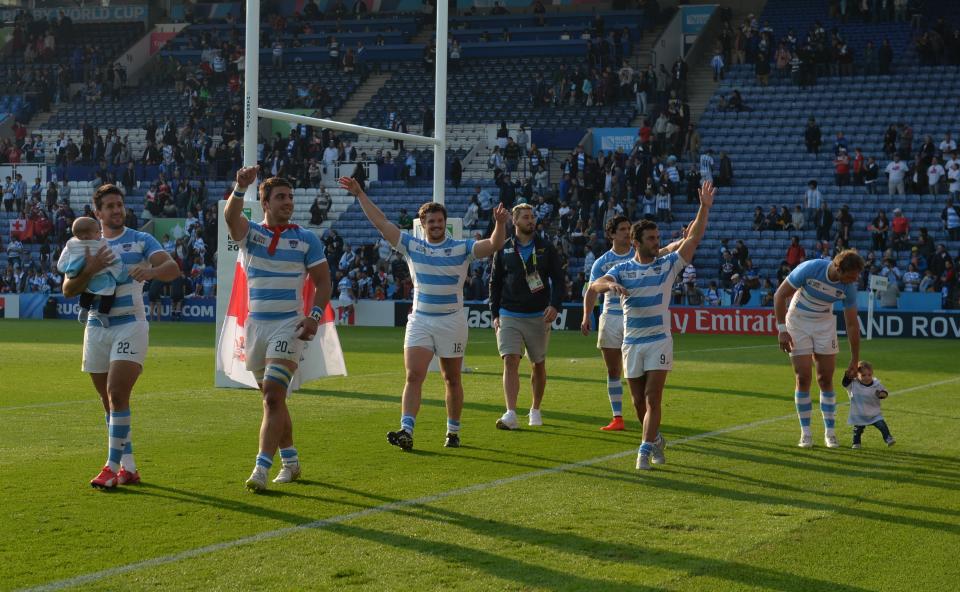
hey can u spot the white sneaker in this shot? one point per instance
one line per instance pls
(258, 479)
(288, 474)
(508, 421)
(535, 419)
(831, 441)
(657, 457)
(643, 462)
(806, 441)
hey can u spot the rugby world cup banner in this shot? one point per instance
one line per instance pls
(90, 13)
(193, 310)
(608, 139)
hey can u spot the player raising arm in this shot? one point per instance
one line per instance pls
(610, 325)
(277, 257)
(644, 284)
(437, 326)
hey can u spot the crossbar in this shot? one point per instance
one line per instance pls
(346, 127)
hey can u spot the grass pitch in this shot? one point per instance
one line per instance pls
(553, 508)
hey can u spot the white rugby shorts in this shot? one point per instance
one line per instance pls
(102, 345)
(640, 359)
(813, 336)
(610, 331)
(445, 335)
(271, 340)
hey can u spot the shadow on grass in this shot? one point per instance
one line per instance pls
(845, 462)
(194, 497)
(745, 480)
(566, 542)
(665, 478)
(669, 387)
(491, 408)
(484, 563)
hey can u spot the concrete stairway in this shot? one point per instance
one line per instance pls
(361, 97)
(642, 56)
(700, 84)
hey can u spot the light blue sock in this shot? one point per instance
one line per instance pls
(289, 457)
(804, 408)
(264, 460)
(407, 422)
(646, 448)
(127, 461)
(615, 393)
(119, 430)
(453, 426)
(828, 407)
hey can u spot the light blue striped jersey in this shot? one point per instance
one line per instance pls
(438, 271)
(133, 248)
(646, 315)
(815, 293)
(611, 301)
(864, 404)
(275, 282)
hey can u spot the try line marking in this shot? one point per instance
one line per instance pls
(390, 507)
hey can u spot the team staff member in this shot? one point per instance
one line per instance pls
(526, 292)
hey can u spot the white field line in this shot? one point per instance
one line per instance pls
(392, 506)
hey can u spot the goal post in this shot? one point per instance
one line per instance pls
(252, 112)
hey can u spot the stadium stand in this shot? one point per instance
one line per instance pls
(494, 75)
(767, 143)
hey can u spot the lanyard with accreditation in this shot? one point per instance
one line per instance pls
(532, 275)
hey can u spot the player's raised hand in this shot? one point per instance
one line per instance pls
(707, 191)
(501, 214)
(350, 184)
(246, 176)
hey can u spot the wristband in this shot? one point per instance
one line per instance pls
(316, 314)
(239, 194)
(782, 327)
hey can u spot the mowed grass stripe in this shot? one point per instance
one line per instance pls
(400, 505)
(557, 365)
